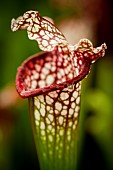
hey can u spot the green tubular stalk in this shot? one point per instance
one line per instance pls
(54, 123)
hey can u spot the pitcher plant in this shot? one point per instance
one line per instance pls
(51, 81)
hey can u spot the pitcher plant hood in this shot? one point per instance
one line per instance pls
(60, 66)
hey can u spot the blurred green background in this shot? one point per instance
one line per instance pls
(76, 19)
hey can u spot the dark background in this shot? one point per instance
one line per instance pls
(91, 19)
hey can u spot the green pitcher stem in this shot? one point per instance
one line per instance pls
(55, 135)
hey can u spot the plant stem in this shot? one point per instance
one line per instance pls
(55, 131)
